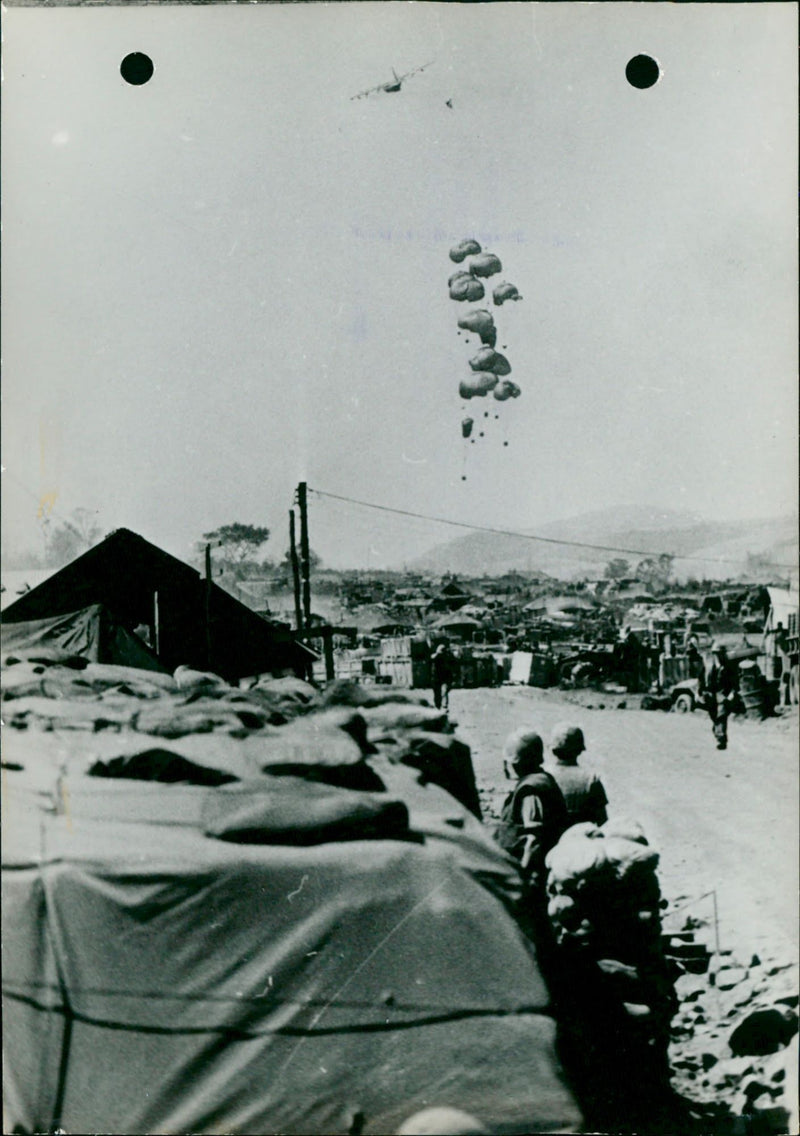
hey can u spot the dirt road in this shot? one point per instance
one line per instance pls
(724, 821)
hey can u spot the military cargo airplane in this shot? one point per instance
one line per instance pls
(393, 85)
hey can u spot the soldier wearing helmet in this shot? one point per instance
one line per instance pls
(583, 791)
(533, 816)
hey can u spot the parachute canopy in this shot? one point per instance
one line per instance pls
(505, 291)
(485, 265)
(466, 427)
(482, 323)
(464, 249)
(488, 359)
(478, 386)
(505, 390)
(464, 286)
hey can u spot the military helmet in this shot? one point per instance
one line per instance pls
(523, 750)
(566, 740)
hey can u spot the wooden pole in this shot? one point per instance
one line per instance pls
(305, 556)
(327, 647)
(208, 607)
(298, 611)
(156, 624)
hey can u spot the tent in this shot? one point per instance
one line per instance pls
(170, 968)
(92, 633)
(191, 621)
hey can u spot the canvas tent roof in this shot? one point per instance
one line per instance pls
(92, 633)
(125, 572)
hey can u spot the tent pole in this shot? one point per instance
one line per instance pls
(156, 624)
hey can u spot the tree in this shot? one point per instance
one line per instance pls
(72, 538)
(617, 569)
(655, 571)
(284, 569)
(239, 544)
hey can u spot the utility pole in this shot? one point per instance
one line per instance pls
(305, 556)
(298, 613)
(208, 606)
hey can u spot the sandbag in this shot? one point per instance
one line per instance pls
(159, 765)
(291, 811)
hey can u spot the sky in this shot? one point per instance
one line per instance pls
(234, 277)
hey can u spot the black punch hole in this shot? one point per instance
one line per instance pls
(642, 72)
(136, 68)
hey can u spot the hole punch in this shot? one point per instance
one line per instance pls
(137, 68)
(642, 72)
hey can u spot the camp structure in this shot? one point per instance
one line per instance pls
(190, 620)
(92, 634)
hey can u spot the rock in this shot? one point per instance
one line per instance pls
(775, 1067)
(753, 1087)
(689, 987)
(742, 994)
(755, 961)
(708, 1060)
(770, 1117)
(721, 960)
(730, 1070)
(763, 1031)
(778, 967)
(728, 977)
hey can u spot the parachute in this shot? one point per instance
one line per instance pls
(505, 291)
(489, 368)
(485, 265)
(464, 286)
(478, 386)
(505, 390)
(464, 249)
(482, 323)
(488, 359)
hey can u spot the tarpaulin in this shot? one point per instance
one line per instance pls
(169, 982)
(93, 633)
(161, 980)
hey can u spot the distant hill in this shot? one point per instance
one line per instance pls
(643, 530)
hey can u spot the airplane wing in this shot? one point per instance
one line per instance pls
(369, 91)
(416, 71)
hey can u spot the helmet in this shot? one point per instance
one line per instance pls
(524, 751)
(566, 741)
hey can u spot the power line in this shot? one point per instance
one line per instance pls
(531, 536)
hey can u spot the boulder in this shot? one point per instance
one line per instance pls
(689, 987)
(763, 1031)
(729, 976)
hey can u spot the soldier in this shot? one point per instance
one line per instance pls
(534, 815)
(442, 674)
(718, 690)
(583, 791)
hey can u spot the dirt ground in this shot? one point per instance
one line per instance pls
(723, 822)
